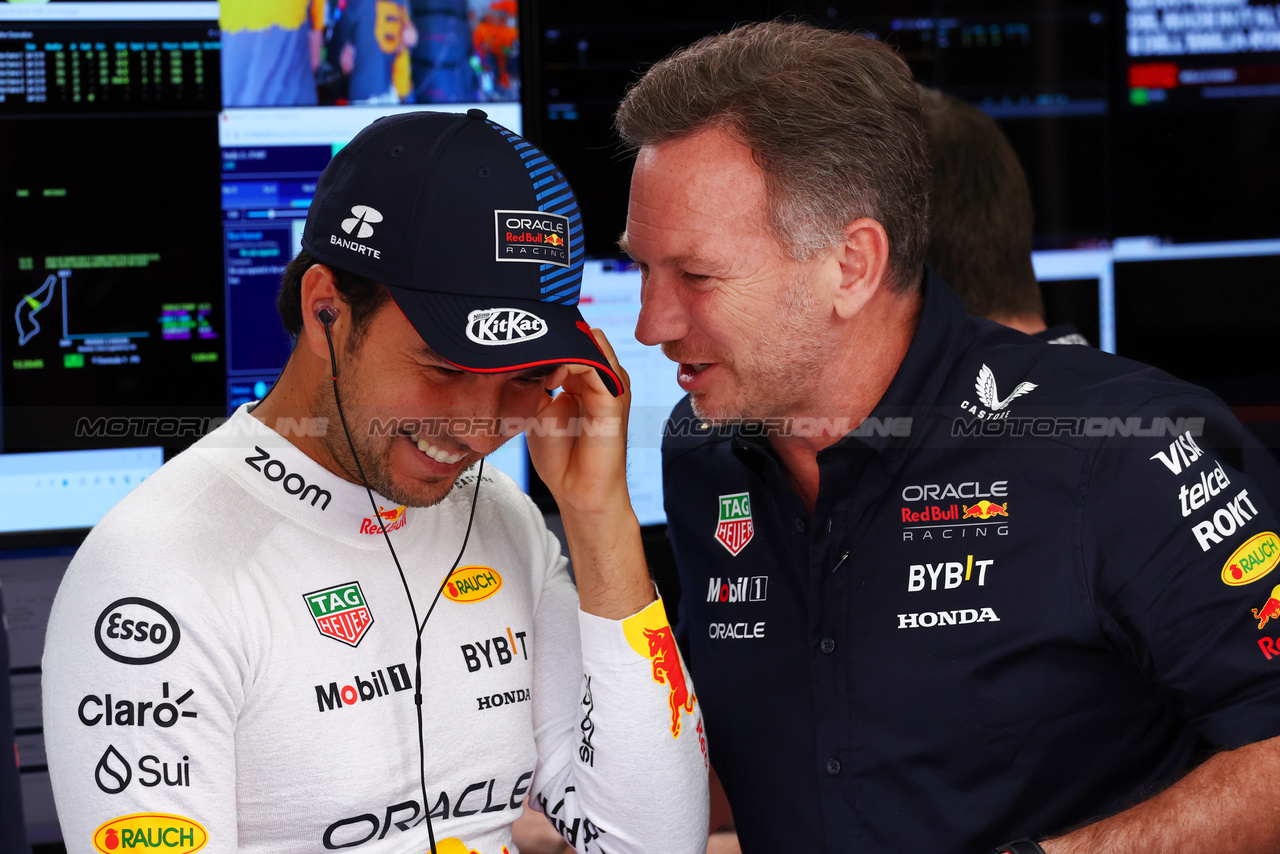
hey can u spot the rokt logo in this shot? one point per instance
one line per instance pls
(375, 686)
(176, 833)
(495, 327)
(293, 484)
(136, 631)
(1225, 521)
(358, 222)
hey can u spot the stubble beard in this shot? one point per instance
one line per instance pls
(374, 452)
(779, 381)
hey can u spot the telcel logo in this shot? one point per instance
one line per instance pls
(176, 833)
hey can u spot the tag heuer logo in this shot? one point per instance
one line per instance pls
(497, 326)
(734, 529)
(341, 612)
(358, 222)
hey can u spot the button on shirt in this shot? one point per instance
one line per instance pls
(1025, 596)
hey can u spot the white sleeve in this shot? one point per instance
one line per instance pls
(140, 696)
(621, 750)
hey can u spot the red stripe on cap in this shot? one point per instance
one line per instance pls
(526, 365)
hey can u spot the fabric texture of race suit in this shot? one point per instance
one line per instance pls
(1038, 584)
(230, 657)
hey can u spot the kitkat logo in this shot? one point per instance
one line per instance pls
(470, 584)
(1258, 556)
(174, 833)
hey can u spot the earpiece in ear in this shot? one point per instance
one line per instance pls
(326, 315)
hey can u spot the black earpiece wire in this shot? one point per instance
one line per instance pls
(326, 317)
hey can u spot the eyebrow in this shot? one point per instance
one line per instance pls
(688, 259)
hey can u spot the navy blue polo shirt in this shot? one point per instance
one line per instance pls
(1035, 586)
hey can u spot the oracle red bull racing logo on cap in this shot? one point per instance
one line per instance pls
(341, 612)
(150, 830)
(734, 529)
(534, 236)
(649, 634)
(1257, 557)
(985, 510)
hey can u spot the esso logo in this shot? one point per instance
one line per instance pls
(136, 631)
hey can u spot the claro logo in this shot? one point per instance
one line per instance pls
(136, 631)
(294, 484)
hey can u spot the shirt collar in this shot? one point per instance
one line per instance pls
(272, 468)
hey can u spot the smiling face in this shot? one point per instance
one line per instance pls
(417, 422)
(750, 327)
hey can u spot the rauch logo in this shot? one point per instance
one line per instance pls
(470, 584)
(150, 830)
(1257, 557)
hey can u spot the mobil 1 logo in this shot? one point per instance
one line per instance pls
(133, 630)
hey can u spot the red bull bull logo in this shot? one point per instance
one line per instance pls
(650, 635)
(1255, 558)
(734, 529)
(555, 240)
(1269, 611)
(985, 510)
(393, 519)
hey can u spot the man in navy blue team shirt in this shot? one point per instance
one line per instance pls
(945, 586)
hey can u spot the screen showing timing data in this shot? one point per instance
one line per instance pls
(110, 281)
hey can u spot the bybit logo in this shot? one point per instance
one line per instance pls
(361, 216)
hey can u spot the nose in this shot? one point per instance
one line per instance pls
(495, 407)
(662, 313)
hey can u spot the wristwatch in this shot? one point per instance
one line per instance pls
(1020, 846)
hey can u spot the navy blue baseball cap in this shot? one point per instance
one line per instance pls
(473, 230)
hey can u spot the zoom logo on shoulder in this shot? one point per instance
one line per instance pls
(136, 631)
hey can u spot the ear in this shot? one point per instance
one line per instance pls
(320, 290)
(864, 261)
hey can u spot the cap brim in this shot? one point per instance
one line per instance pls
(497, 334)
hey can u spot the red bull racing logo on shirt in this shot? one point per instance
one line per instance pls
(394, 520)
(341, 612)
(734, 529)
(649, 634)
(1258, 556)
(1269, 611)
(150, 830)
